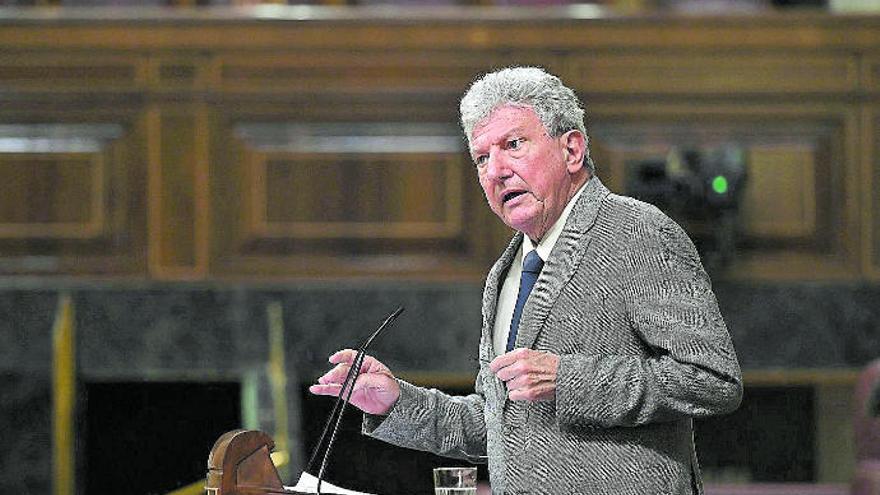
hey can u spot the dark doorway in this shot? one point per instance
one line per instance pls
(151, 438)
(769, 438)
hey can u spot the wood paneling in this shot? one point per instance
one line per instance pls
(369, 196)
(871, 73)
(346, 70)
(345, 194)
(571, 28)
(871, 182)
(176, 73)
(25, 71)
(354, 69)
(783, 176)
(178, 191)
(352, 181)
(219, 167)
(51, 195)
(798, 216)
(66, 200)
(722, 72)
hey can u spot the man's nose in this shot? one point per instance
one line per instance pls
(497, 167)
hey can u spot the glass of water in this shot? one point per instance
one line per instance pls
(455, 481)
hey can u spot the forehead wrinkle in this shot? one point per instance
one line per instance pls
(518, 128)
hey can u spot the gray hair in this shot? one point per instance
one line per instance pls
(554, 103)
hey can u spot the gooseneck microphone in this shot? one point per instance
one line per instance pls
(335, 417)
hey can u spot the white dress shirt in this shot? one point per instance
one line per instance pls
(510, 286)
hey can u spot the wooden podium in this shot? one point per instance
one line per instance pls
(239, 464)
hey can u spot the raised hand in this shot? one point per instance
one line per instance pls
(375, 390)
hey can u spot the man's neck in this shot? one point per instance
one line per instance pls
(575, 187)
(552, 233)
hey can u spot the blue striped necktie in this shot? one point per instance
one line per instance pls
(531, 269)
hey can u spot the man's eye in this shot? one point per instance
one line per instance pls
(481, 160)
(515, 144)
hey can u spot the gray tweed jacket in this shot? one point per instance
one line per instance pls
(625, 302)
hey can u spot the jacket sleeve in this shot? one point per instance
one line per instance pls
(429, 420)
(690, 368)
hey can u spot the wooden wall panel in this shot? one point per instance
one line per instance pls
(796, 218)
(573, 27)
(366, 196)
(59, 72)
(65, 197)
(362, 70)
(197, 184)
(871, 183)
(178, 192)
(168, 73)
(784, 176)
(722, 72)
(51, 195)
(328, 192)
(348, 69)
(871, 73)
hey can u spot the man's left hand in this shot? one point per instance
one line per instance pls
(529, 374)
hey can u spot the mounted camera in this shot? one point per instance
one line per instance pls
(701, 188)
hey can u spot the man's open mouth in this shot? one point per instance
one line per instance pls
(512, 194)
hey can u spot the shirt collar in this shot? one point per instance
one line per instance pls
(546, 245)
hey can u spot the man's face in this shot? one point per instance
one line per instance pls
(526, 174)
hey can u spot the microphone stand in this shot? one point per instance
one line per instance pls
(335, 417)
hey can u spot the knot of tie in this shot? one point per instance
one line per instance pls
(533, 262)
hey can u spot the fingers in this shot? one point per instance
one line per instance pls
(514, 363)
(343, 356)
(343, 360)
(373, 393)
(509, 358)
(331, 382)
(369, 363)
(336, 375)
(532, 387)
(529, 374)
(375, 390)
(510, 372)
(534, 394)
(524, 380)
(332, 389)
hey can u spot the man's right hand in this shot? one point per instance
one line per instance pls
(375, 390)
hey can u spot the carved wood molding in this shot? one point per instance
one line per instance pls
(54, 178)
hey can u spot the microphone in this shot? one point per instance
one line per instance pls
(335, 417)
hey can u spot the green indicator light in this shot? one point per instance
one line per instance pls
(719, 184)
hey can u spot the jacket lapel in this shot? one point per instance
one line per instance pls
(493, 285)
(490, 304)
(563, 262)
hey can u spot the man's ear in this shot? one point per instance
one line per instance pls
(574, 148)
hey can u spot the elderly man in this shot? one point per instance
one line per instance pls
(601, 336)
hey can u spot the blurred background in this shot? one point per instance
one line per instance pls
(201, 200)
